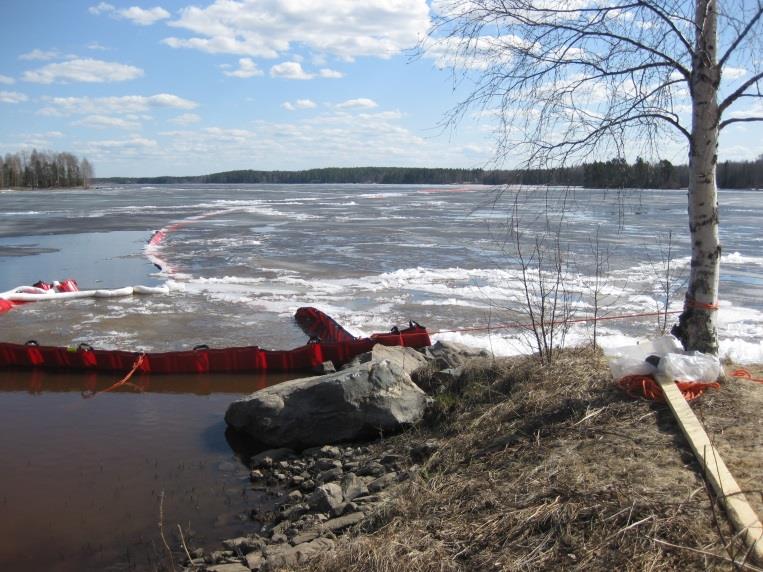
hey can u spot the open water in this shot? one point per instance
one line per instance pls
(82, 478)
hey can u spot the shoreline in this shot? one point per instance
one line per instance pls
(480, 461)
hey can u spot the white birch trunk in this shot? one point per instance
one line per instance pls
(697, 324)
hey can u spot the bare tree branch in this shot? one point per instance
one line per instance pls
(739, 92)
(739, 120)
(740, 38)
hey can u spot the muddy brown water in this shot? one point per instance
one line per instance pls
(83, 476)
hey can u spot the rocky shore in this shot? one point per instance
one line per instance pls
(516, 465)
(321, 492)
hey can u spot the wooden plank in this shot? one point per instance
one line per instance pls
(743, 517)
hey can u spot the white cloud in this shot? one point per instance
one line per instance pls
(143, 17)
(246, 68)
(269, 28)
(113, 105)
(134, 143)
(39, 55)
(294, 70)
(137, 15)
(330, 74)
(290, 70)
(185, 119)
(85, 70)
(12, 97)
(102, 8)
(361, 102)
(479, 54)
(299, 104)
(98, 47)
(7, 80)
(733, 73)
(106, 121)
(753, 110)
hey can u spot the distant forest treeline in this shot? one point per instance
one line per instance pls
(615, 173)
(41, 169)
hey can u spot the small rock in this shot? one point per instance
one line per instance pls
(324, 368)
(353, 487)
(219, 555)
(382, 482)
(330, 475)
(330, 451)
(306, 536)
(254, 560)
(326, 498)
(242, 544)
(307, 485)
(327, 464)
(367, 499)
(233, 567)
(295, 496)
(267, 458)
(290, 556)
(279, 529)
(297, 480)
(343, 522)
(256, 475)
(294, 512)
(279, 538)
(373, 468)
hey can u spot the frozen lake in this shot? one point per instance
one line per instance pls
(240, 259)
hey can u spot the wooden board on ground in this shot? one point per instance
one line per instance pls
(741, 514)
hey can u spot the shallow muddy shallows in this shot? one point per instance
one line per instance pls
(83, 477)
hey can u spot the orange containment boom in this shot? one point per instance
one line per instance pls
(335, 344)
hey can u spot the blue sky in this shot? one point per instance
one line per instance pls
(174, 88)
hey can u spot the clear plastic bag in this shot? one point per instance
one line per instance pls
(631, 360)
(690, 366)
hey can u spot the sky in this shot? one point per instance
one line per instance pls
(174, 88)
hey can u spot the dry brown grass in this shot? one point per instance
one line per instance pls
(545, 467)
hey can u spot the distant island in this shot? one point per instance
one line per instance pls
(615, 173)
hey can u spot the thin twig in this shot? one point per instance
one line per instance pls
(161, 530)
(182, 540)
(711, 554)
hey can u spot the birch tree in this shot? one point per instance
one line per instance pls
(572, 79)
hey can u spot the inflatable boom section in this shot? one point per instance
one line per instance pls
(338, 346)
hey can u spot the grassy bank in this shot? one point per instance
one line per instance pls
(553, 467)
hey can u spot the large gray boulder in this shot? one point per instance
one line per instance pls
(356, 403)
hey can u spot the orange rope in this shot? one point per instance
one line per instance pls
(691, 303)
(645, 386)
(744, 374)
(121, 382)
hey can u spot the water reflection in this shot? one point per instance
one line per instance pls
(89, 384)
(83, 477)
